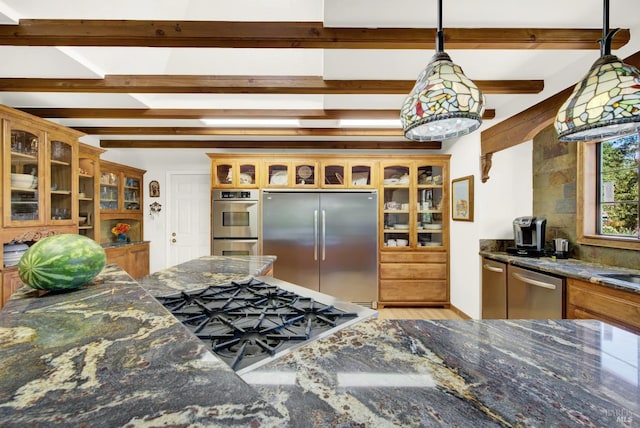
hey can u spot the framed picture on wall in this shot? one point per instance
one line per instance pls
(462, 198)
(154, 189)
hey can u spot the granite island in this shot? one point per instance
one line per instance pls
(109, 354)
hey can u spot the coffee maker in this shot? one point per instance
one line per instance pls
(528, 234)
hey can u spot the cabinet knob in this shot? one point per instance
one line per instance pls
(173, 241)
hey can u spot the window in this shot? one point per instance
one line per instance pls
(617, 213)
(608, 207)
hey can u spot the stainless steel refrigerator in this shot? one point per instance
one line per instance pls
(325, 241)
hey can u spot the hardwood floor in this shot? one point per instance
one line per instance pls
(417, 314)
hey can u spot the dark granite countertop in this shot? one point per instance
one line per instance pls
(569, 268)
(491, 373)
(108, 354)
(204, 271)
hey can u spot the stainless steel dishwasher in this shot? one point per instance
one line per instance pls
(534, 295)
(494, 289)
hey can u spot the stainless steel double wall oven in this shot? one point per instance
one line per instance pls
(235, 222)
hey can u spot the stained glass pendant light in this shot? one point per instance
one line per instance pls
(606, 102)
(444, 103)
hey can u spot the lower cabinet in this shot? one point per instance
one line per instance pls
(10, 283)
(593, 301)
(133, 258)
(413, 279)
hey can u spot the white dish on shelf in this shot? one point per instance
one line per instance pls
(279, 177)
(359, 178)
(401, 226)
(391, 181)
(24, 181)
(245, 178)
(432, 226)
(431, 244)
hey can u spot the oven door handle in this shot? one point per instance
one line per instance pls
(226, 201)
(315, 235)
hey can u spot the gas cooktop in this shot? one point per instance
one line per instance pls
(249, 323)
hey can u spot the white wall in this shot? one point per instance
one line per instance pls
(507, 194)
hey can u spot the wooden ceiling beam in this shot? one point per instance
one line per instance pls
(136, 113)
(256, 132)
(201, 84)
(226, 34)
(280, 145)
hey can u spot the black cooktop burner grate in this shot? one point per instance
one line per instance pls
(246, 322)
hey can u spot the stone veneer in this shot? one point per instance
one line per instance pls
(554, 197)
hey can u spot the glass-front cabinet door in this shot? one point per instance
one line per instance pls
(306, 174)
(396, 201)
(61, 180)
(24, 176)
(228, 173)
(361, 174)
(430, 197)
(277, 174)
(334, 174)
(109, 195)
(131, 193)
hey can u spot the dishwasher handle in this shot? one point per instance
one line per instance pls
(490, 268)
(532, 281)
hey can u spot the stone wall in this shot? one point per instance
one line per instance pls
(554, 197)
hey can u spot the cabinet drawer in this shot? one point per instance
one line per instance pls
(413, 291)
(413, 271)
(610, 304)
(412, 257)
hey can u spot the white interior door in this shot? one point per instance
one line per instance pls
(189, 217)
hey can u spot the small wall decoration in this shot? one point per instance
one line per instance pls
(462, 198)
(154, 189)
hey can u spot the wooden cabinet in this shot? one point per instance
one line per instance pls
(88, 191)
(10, 283)
(413, 279)
(38, 196)
(234, 173)
(593, 301)
(414, 232)
(132, 258)
(121, 194)
(39, 173)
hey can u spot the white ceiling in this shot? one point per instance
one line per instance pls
(558, 68)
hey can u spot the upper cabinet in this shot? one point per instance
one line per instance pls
(39, 173)
(121, 188)
(235, 173)
(414, 199)
(282, 171)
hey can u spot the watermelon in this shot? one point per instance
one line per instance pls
(61, 262)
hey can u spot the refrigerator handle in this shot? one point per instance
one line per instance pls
(324, 233)
(315, 235)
